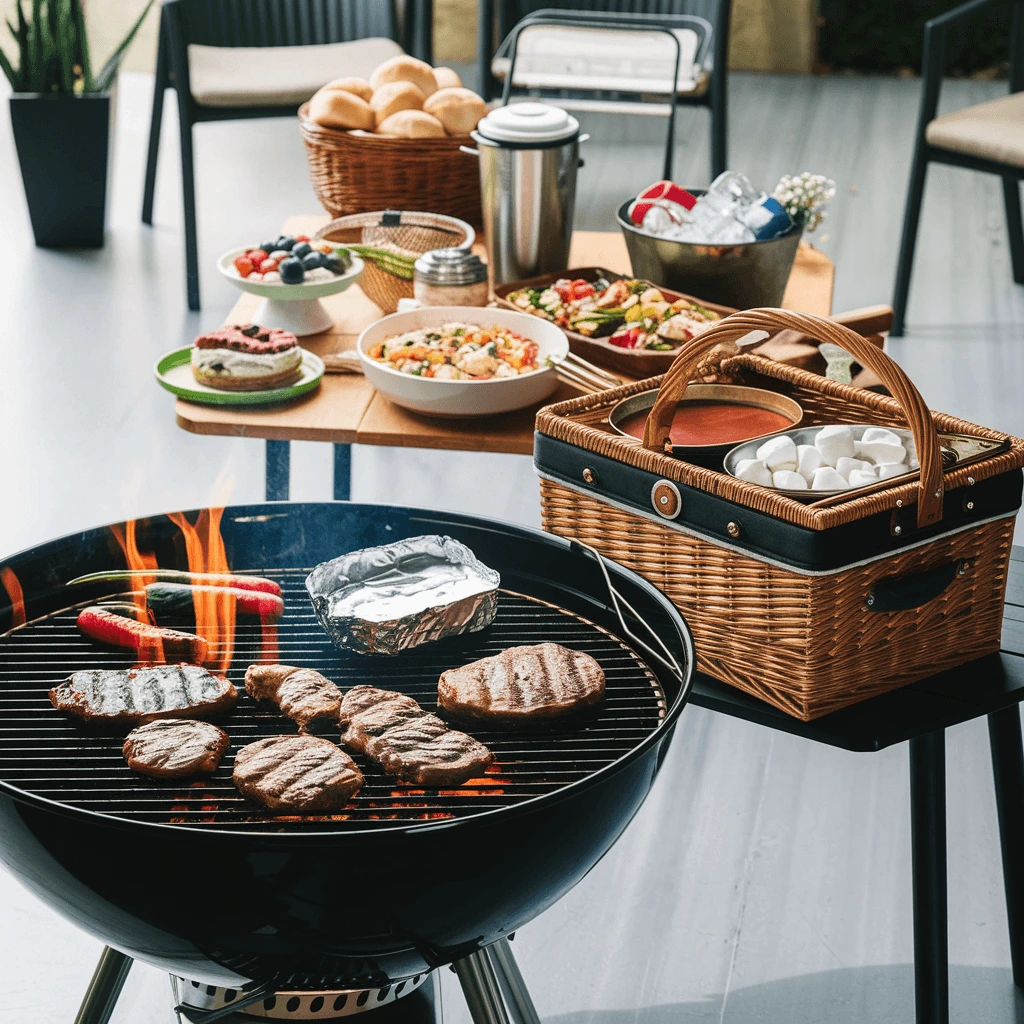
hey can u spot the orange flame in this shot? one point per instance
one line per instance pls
(151, 652)
(11, 584)
(215, 613)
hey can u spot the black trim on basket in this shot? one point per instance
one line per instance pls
(765, 536)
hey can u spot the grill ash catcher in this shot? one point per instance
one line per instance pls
(321, 917)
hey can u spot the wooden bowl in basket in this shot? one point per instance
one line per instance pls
(633, 362)
(357, 171)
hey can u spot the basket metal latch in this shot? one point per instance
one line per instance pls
(619, 602)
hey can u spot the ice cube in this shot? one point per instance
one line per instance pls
(735, 186)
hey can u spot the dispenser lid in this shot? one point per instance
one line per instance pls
(528, 122)
(450, 267)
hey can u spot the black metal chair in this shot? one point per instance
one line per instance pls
(205, 54)
(497, 20)
(986, 137)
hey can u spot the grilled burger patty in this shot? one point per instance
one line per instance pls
(296, 773)
(174, 748)
(136, 695)
(523, 684)
(407, 741)
(301, 693)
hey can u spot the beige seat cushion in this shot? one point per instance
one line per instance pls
(261, 76)
(991, 131)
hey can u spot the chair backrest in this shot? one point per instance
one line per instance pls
(512, 11)
(282, 22)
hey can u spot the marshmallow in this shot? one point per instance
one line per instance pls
(787, 480)
(808, 459)
(845, 466)
(863, 477)
(881, 453)
(833, 443)
(891, 469)
(880, 434)
(778, 453)
(754, 471)
(827, 479)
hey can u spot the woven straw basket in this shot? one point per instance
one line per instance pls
(354, 171)
(412, 233)
(808, 608)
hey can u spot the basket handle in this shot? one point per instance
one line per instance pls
(675, 382)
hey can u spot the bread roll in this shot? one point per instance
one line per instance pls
(335, 108)
(412, 124)
(447, 79)
(357, 86)
(457, 109)
(405, 69)
(395, 96)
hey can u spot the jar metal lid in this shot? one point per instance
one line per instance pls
(528, 122)
(450, 267)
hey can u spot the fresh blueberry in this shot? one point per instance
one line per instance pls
(312, 260)
(268, 247)
(300, 249)
(345, 256)
(334, 264)
(285, 242)
(291, 270)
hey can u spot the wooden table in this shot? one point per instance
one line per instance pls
(345, 409)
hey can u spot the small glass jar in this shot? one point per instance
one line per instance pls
(450, 277)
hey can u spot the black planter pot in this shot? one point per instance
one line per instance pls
(64, 147)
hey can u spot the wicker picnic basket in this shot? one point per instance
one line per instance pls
(355, 171)
(808, 608)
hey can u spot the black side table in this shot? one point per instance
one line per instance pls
(920, 714)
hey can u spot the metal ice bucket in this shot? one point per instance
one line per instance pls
(744, 276)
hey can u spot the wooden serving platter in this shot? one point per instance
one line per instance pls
(636, 363)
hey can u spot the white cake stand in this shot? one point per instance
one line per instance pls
(291, 307)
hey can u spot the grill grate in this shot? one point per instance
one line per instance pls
(44, 753)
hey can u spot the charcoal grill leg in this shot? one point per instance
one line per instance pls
(278, 470)
(1008, 772)
(513, 987)
(107, 981)
(928, 852)
(481, 989)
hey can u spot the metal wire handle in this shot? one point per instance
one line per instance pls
(619, 602)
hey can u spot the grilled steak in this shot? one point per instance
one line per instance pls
(136, 695)
(174, 748)
(300, 693)
(407, 741)
(523, 684)
(296, 773)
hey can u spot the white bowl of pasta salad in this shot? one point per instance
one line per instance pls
(462, 360)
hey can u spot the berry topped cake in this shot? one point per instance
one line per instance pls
(246, 358)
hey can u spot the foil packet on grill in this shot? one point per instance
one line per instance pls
(385, 599)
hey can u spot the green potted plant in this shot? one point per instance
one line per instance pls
(61, 116)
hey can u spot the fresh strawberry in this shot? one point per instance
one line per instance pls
(257, 256)
(243, 265)
(268, 265)
(302, 238)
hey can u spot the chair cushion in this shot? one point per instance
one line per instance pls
(560, 57)
(990, 131)
(278, 76)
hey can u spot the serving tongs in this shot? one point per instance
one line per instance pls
(584, 376)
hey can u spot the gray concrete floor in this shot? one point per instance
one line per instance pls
(766, 879)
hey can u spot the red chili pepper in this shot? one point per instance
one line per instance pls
(119, 631)
(171, 596)
(203, 579)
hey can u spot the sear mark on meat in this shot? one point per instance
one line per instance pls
(301, 693)
(407, 741)
(296, 773)
(175, 748)
(522, 685)
(134, 696)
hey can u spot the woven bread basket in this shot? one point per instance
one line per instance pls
(411, 233)
(808, 608)
(356, 171)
